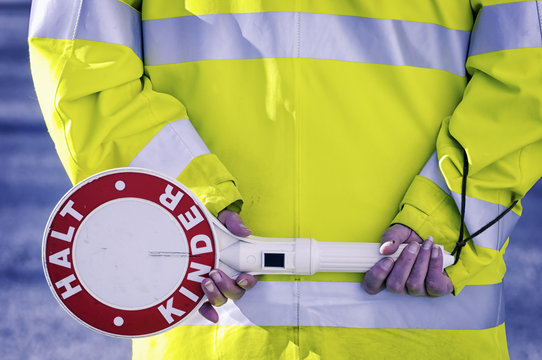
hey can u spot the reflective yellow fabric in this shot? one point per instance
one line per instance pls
(101, 111)
(93, 89)
(500, 130)
(285, 126)
(207, 178)
(504, 96)
(498, 123)
(315, 343)
(415, 10)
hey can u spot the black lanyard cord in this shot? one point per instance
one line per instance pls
(462, 242)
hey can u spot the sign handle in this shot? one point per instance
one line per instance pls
(301, 256)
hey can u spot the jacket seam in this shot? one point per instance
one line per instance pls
(297, 172)
(76, 25)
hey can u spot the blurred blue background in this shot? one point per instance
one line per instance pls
(32, 180)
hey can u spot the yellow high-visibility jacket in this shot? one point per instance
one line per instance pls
(336, 119)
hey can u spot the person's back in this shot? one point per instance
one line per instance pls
(323, 114)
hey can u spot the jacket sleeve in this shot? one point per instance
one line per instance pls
(100, 107)
(498, 124)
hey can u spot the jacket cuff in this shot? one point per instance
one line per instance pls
(212, 183)
(429, 210)
(459, 275)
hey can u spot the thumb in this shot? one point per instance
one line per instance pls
(233, 223)
(396, 235)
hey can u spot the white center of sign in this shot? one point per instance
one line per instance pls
(130, 253)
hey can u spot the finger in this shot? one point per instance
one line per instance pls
(392, 238)
(395, 236)
(246, 281)
(233, 223)
(397, 279)
(213, 294)
(437, 282)
(416, 280)
(375, 278)
(209, 312)
(226, 286)
(414, 237)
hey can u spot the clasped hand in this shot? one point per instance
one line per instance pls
(219, 287)
(417, 271)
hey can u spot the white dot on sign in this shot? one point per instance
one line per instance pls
(120, 185)
(118, 321)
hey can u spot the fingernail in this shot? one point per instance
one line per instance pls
(215, 275)
(386, 244)
(209, 285)
(434, 252)
(386, 264)
(242, 283)
(428, 243)
(413, 248)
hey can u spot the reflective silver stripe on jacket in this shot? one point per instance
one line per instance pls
(507, 26)
(171, 150)
(477, 212)
(260, 35)
(314, 303)
(109, 21)
(304, 35)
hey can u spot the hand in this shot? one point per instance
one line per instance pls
(417, 271)
(219, 287)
